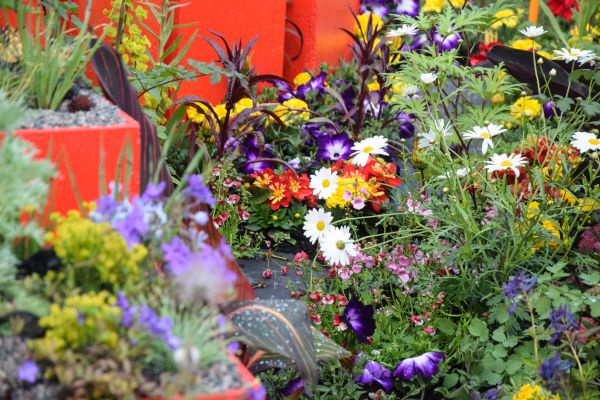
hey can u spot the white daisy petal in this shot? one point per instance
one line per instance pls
(324, 183)
(316, 224)
(337, 246)
(533, 31)
(367, 147)
(585, 141)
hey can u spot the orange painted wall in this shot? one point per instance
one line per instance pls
(79, 151)
(320, 22)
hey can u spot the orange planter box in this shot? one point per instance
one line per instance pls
(319, 22)
(81, 151)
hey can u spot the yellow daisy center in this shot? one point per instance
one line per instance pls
(340, 244)
(326, 183)
(485, 135)
(368, 149)
(506, 163)
(320, 226)
(594, 141)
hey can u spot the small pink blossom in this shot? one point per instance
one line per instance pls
(416, 320)
(267, 273)
(429, 330)
(358, 203)
(328, 299)
(228, 183)
(233, 199)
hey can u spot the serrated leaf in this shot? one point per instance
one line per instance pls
(513, 366)
(498, 335)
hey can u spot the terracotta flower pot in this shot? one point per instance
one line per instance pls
(80, 152)
(319, 22)
(247, 392)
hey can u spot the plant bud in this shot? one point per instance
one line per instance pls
(523, 93)
(540, 61)
(552, 72)
(594, 155)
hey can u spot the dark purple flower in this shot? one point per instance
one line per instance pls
(521, 283)
(233, 347)
(257, 393)
(127, 312)
(407, 7)
(133, 227)
(197, 190)
(250, 149)
(314, 85)
(359, 318)
(334, 148)
(552, 370)
(550, 110)
(177, 255)
(492, 394)
(407, 128)
(375, 372)
(294, 387)
(446, 42)
(154, 191)
(562, 320)
(426, 365)
(590, 240)
(28, 371)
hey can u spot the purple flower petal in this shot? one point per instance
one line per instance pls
(334, 148)
(359, 318)
(426, 365)
(28, 371)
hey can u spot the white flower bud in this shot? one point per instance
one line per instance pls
(523, 93)
(540, 61)
(186, 358)
(552, 72)
(594, 155)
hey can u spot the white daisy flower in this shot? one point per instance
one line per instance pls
(324, 183)
(366, 147)
(574, 54)
(585, 141)
(429, 77)
(410, 91)
(461, 172)
(533, 31)
(337, 246)
(431, 138)
(404, 30)
(501, 162)
(316, 223)
(486, 133)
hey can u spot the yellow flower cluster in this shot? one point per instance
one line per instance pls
(525, 108)
(79, 241)
(134, 44)
(82, 321)
(357, 186)
(507, 17)
(198, 117)
(302, 79)
(528, 45)
(290, 110)
(436, 6)
(528, 392)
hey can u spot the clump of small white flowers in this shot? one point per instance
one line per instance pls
(429, 77)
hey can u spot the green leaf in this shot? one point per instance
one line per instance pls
(502, 313)
(591, 108)
(590, 279)
(513, 366)
(498, 335)
(499, 352)
(564, 104)
(326, 348)
(279, 327)
(595, 308)
(446, 326)
(478, 328)
(511, 341)
(543, 305)
(450, 380)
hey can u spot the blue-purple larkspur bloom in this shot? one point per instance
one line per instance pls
(127, 311)
(106, 208)
(28, 371)
(159, 327)
(407, 7)
(522, 283)
(562, 320)
(359, 318)
(406, 126)
(552, 370)
(334, 147)
(426, 366)
(177, 255)
(154, 191)
(133, 227)
(197, 190)
(492, 394)
(376, 373)
(446, 42)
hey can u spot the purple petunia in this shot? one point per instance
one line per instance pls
(405, 122)
(335, 147)
(446, 42)
(28, 371)
(562, 320)
(177, 255)
(521, 284)
(550, 110)
(359, 318)
(426, 365)
(375, 372)
(294, 387)
(552, 370)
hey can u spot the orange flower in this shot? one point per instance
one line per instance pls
(298, 185)
(280, 195)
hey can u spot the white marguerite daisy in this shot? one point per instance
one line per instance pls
(337, 246)
(574, 54)
(366, 147)
(404, 30)
(316, 223)
(533, 31)
(428, 78)
(459, 173)
(484, 133)
(324, 183)
(501, 162)
(429, 139)
(410, 91)
(585, 141)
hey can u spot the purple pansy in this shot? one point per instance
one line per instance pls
(335, 147)
(375, 372)
(177, 255)
(359, 318)
(257, 393)
(552, 370)
(314, 85)
(521, 283)
(407, 7)
(28, 371)
(426, 365)
(446, 42)
(250, 149)
(562, 320)
(406, 126)
(294, 387)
